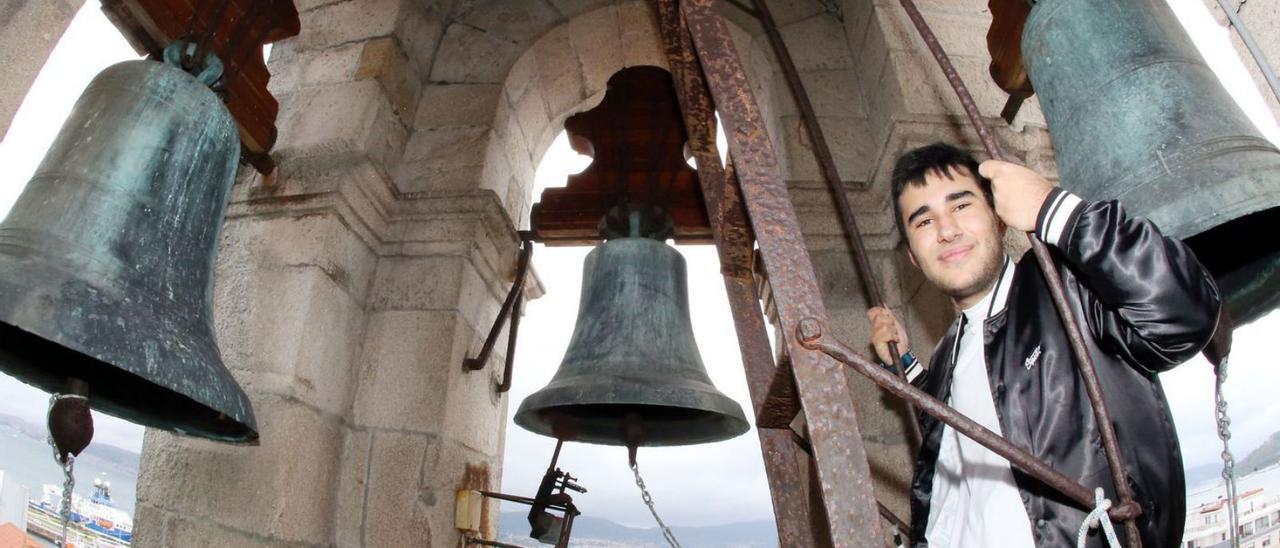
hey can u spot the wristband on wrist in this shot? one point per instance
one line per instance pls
(908, 361)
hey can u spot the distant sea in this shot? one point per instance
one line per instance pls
(29, 462)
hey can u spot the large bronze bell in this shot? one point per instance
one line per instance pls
(1137, 115)
(632, 374)
(106, 260)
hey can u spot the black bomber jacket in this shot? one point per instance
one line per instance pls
(1145, 304)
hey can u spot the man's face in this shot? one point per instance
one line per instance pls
(953, 234)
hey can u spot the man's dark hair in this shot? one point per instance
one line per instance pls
(938, 158)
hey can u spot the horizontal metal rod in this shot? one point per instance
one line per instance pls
(519, 499)
(483, 542)
(810, 336)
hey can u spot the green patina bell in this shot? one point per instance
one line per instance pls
(106, 260)
(632, 374)
(1136, 114)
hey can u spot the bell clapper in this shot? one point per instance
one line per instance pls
(633, 433)
(70, 431)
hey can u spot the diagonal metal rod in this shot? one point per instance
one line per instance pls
(510, 309)
(827, 165)
(839, 456)
(731, 231)
(1247, 37)
(811, 336)
(1083, 361)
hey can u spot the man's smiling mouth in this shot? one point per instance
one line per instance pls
(955, 254)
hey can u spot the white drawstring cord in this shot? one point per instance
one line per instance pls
(1098, 517)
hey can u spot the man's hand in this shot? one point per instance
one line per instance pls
(1019, 193)
(885, 329)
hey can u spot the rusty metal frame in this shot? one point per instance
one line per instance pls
(839, 456)
(510, 311)
(835, 442)
(827, 165)
(734, 242)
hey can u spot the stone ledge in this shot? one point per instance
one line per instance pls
(471, 223)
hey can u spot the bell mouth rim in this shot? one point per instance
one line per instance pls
(566, 423)
(570, 414)
(106, 393)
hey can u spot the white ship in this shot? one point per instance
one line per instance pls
(95, 523)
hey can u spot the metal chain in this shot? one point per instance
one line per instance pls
(1228, 461)
(648, 501)
(68, 473)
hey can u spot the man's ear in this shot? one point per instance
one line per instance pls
(911, 255)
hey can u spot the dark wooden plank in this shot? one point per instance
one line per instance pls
(636, 139)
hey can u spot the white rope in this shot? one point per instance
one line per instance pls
(1098, 517)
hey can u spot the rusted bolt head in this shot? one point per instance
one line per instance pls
(809, 330)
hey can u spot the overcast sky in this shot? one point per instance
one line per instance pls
(699, 485)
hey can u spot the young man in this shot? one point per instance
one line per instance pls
(1143, 302)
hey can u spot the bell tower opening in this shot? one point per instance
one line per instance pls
(697, 485)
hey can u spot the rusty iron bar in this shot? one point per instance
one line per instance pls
(1084, 362)
(901, 526)
(782, 458)
(810, 334)
(733, 241)
(803, 444)
(827, 165)
(510, 309)
(512, 334)
(839, 456)
(518, 499)
(484, 542)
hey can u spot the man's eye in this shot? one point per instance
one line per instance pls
(962, 205)
(922, 222)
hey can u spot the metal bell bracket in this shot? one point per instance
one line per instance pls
(629, 221)
(510, 308)
(546, 527)
(210, 67)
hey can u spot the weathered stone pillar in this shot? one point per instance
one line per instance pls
(345, 303)
(28, 32)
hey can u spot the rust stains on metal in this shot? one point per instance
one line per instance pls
(827, 165)
(734, 241)
(1019, 457)
(476, 478)
(838, 454)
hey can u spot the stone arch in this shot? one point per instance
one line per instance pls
(562, 72)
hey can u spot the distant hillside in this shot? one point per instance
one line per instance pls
(1204, 474)
(591, 532)
(125, 459)
(17, 423)
(1265, 455)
